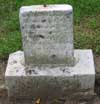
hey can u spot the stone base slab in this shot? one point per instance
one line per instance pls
(49, 81)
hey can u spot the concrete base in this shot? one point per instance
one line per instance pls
(48, 81)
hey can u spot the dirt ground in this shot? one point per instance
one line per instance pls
(94, 99)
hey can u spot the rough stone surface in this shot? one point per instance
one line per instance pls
(58, 82)
(46, 31)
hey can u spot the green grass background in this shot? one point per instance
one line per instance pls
(86, 23)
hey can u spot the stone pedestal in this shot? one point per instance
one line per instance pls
(49, 82)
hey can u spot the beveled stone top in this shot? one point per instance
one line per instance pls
(41, 8)
(84, 66)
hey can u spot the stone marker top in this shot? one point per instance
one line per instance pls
(41, 8)
(47, 34)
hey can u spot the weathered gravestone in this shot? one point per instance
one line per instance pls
(49, 67)
(46, 31)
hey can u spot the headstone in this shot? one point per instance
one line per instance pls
(46, 69)
(47, 34)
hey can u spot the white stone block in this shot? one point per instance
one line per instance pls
(47, 34)
(60, 81)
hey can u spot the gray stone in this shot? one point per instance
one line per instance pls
(58, 82)
(47, 34)
(49, 67)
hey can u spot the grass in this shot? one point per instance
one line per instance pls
(86, 23)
